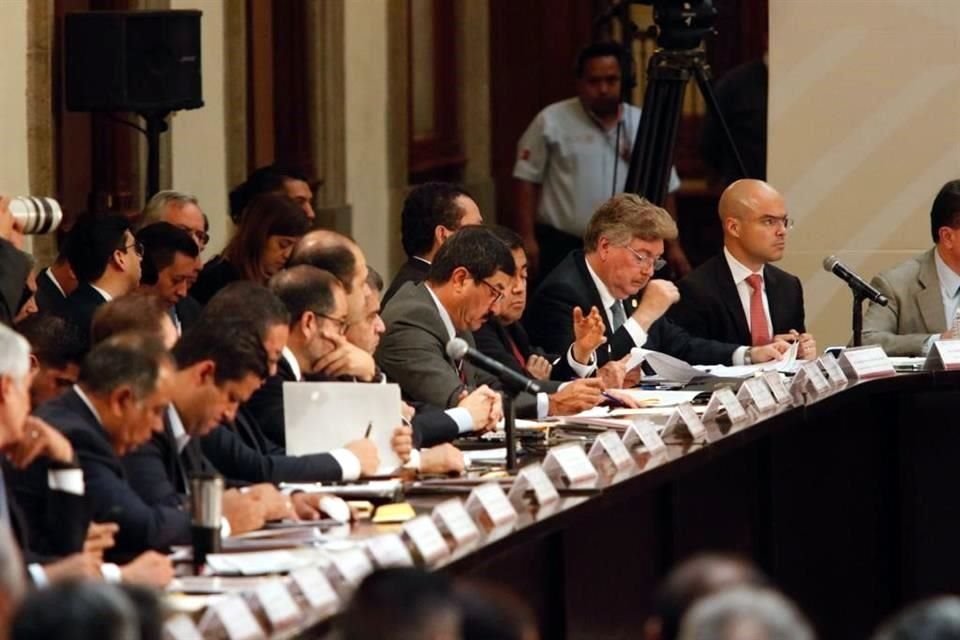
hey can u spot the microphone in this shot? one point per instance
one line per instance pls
(458, 349)
(858, 284)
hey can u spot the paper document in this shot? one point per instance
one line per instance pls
(262, 562)
(322, 416)
(374, 488)
(787, 364)
(661, 398)
(670, 368)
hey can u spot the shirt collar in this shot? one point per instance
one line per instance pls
(180, 435)
(291, 359)
(86, 401)
(949, 279)
(605, 296)
(444, 316)
(54, 280)
(106, 296)
(740, 271)
(423, 260)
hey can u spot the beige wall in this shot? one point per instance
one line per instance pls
(863, 131)
(14, 165)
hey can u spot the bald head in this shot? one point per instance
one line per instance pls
(746, 196)
(754, 219)
(338, 254)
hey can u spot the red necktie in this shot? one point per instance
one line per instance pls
(516, 353)
(759, 334)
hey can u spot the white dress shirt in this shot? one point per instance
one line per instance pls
(740, 274)
(949, 286)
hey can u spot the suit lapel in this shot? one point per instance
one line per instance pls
(929, 300)
(581, 261)
(731, 299)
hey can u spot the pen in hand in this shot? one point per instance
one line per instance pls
(612, 400)
(369, 429)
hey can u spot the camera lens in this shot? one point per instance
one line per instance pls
(36, 215)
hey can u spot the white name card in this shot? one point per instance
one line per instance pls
(389, 550)
(277, 603)
(755, 392)
(233, 615)
(569, 462)
(944, 356)
(316, 590)
(723, 400)
(532, 478)
(643, 432)
(863, 363)
(181, 627)
(490, 508)
(607, 446)
(425, 536)
(778, 389)
(684, 424)
(835, 374)
(809, 383)
(352, 565)
(451, 517)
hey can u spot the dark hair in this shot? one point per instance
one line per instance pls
(126, 358)
(945, 211)
(92, 241)
(54, 341)
(933, 619)
(161, 242)
(493, 613)
(337, 259)
(395, 603)
(508, 237)
(233, 344)
(138, 312)
(425, 207)
(374, 279)
(250, 302)
(304, 288)
(267, 179)
(150, 608)
(80, 610)
(604, 49)
(477, 249)
(270, 215)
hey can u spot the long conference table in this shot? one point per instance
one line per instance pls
(847, 501)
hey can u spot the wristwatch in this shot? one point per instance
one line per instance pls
(747, 356)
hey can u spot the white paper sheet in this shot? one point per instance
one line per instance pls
(321, 416)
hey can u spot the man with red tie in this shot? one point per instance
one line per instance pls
(738, 296)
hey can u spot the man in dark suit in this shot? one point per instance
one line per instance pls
(739, 296)
(431, 213)
(170, 266)
(16, 266)
(55, 282)
(56, 350)
(623, 246)
(105, 257)
(467, 282)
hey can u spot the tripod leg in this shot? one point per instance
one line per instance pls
(703, 81)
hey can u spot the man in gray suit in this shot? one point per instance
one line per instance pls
(466, 283)
(924, 291)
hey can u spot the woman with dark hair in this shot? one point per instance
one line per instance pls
(269, 228)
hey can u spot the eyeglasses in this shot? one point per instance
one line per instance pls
(136, 246)
(646, 259)
(497, 294)
(341, 323)
(772, 222)
(202, 237)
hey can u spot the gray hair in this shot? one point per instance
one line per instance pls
(154, 209)
(14, 354)
(729, 614)
(933, 618)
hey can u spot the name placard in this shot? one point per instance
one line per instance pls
(809, 383)
(425, 536)
(643, 432)
(451, 518)
(570, 463)
(864, 363)
(181, 627)
(831, 367)
(684, 424)
(316, 590)
(724, 401)
(608, 447)
(944, 356)
(232, 615)
(755, 392)
(778, 389)
(489, 507)
(277, 604)
(389, 550)
(351, 565)
(532, 478)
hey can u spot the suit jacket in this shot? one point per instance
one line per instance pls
(188, 310)
(215, 275)
(13, 279)
(265, 406)
(710, 306)
(49, 298)
(80, 306)
(494, 338)
(413, 352)
(550, 320)
(157, 472)
(915, 311)
(110, 497)
(413, 270)
(240, 452)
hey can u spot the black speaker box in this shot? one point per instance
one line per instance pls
(136, 61)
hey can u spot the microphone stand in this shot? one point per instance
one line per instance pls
(858, 299)
(509, 395)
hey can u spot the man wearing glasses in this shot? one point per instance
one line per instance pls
(623, 246)
(179, 209)
(738, 296)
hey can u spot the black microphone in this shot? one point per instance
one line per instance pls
(458, 349)
(856, 283)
